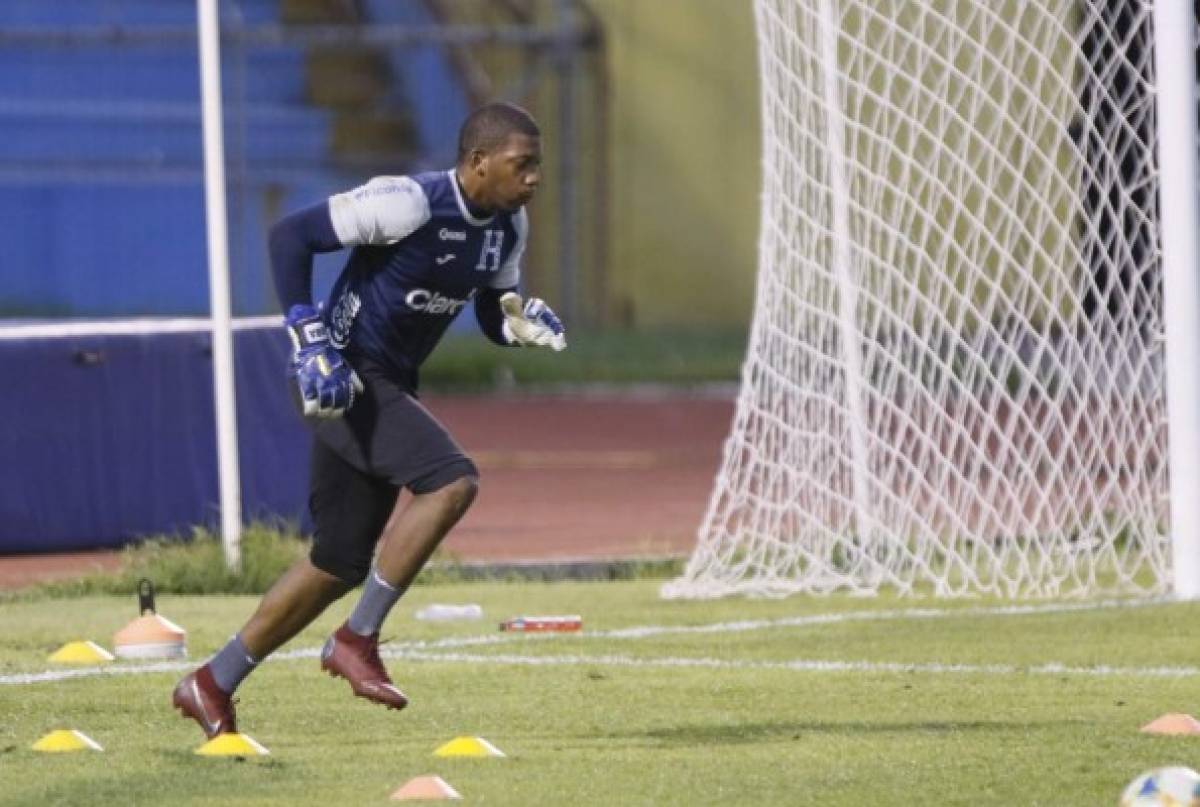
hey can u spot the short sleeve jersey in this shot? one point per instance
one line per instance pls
(418, 257)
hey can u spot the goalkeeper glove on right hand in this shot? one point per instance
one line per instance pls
(532, 324)
(327, 384)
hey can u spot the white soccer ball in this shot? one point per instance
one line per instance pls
(1164, 787)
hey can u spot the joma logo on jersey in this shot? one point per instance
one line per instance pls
(451, 235)
(431, 302)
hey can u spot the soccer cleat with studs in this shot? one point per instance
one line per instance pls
(356, 658)
(197, 696)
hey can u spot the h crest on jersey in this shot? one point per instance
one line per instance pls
(489, 255)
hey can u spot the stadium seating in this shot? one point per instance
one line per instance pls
(438, 98)
(101, 165)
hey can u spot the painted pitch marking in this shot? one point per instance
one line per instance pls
(801, 665)
(414, 649)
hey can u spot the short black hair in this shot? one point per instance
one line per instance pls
(490, 125)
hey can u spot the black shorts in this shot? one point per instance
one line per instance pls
(386, 441)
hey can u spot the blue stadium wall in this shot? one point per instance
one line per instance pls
(108, 439)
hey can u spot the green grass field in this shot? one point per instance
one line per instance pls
(684, 357)
(822, 701)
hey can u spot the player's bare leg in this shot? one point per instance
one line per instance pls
(409, 539)
(417, 530)
(295, 600)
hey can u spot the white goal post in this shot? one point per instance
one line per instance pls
(956, 379)
(229, 482)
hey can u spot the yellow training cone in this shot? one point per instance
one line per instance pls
(83, 652)
(468, 747)
(56, 742)
(232, 744)
(425, 788)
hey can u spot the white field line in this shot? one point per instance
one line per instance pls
(872, 616)
(419, 650)
(800, 665)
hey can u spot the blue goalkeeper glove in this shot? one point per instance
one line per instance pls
(327, 384)
(532, 323)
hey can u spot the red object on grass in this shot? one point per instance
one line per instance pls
(536, 624)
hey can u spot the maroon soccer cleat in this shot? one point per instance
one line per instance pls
(199, 698)
(356, 658)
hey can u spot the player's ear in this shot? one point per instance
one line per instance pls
(477, 161)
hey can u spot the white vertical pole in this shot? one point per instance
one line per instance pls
(218, 281)
(1175, 76)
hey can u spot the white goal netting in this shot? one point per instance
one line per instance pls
(954, 382)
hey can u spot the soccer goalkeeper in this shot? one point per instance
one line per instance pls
(422, 247)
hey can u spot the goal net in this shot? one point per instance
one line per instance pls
(954, 382)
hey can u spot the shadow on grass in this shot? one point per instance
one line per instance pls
(167, 773)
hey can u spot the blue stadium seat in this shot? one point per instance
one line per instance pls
(145, 74)
(434, 89)
(166, 139)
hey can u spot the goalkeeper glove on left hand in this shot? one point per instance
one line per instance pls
(327, 384)
(532, 324)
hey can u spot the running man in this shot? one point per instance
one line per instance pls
(422, 247)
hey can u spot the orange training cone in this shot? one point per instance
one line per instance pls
(425, 788)
(1173, 724)
(151, 635)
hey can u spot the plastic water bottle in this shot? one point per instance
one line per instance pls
(442, 612)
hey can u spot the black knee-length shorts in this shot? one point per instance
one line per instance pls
(386, 441)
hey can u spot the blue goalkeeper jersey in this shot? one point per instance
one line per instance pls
(419, 256)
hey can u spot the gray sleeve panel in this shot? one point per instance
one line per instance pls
(383, 211)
